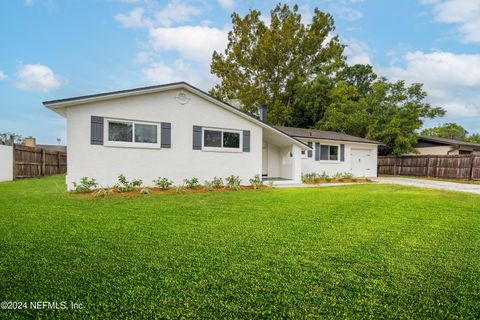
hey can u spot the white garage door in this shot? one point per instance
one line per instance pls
(361, 162)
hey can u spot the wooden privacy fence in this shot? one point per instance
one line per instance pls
(464, 167)
(30, 162)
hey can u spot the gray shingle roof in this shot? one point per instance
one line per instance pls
(320, 134)
(449, 142)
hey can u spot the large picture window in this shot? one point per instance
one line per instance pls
(329, 152)
(220, 139)
(132, 133)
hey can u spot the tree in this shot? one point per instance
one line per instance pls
(6, 137)
(262, 64)
(474, 138)
(383, 111)
(447, 130)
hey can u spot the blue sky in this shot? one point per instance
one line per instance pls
(56, 49)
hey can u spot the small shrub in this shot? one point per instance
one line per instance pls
(324, 175)
(85, 185)
(310, 177)
(163, 183)
(338, 175)
(256, 182)
(124, 185)
(179, 189)
(145, 190)
(347, 175)
(102, 192)
(208, 186)
(270, 184)
(217, 183)
(233, 182)
(191, 183)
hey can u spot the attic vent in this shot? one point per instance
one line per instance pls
(182, 97)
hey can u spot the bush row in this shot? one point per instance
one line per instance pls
(231, 182)
(314, 177)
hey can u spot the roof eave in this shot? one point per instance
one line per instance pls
(58, 105)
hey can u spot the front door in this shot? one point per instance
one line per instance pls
(265, 161)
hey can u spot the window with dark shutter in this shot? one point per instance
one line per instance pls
(197, 138)
(96, 130)
(246, 140)
(309, 152)
(166, 135)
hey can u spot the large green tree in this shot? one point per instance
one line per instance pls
(447, 130)
(262, 63)
(389, 112)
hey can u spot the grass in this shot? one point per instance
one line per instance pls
(360, 251)
(435, 179)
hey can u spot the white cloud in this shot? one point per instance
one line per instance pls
(465, 14)
(179, 70)
(173, 12)
(3, 76)
(176, 12)
(226, 4)
(451, 80)
(358, 52)
(28, 2)
(191, 42)
(134, 19)
(36, 77)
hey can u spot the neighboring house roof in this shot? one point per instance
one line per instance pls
(59, 105)
(449, 142)
(320, 134)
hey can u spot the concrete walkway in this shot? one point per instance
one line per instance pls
(434, 184)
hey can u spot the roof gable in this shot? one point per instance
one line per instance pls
(59, 105)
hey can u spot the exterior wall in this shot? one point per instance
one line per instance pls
(332, 167)
(6, 163)
(105, 163)
(440, 150)
(283, 165)
(273, 160)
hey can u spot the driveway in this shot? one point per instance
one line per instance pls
(434, 184)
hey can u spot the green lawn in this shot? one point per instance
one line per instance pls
(361, 251)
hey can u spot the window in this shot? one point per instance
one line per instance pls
(217, 139)
(146, 133)
(329, 152)
(212, 138)
(132, 134)
(120, 131)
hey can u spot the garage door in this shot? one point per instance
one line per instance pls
(361, 162)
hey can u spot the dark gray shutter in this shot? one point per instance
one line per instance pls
(96, 130)
(166, 135)
(309, 153)
(317, 151)
(197, 138)
(246, 140)
(342, 152)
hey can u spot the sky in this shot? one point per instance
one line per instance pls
(53, 49)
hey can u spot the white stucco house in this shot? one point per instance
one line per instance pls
(178, 131)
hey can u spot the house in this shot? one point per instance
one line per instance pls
(178, 131)
(335, 152)
(442, 146)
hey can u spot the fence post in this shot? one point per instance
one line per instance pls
(471, 167)
(14, 162)
(428, 167)
(42, 172)
(58, 162)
